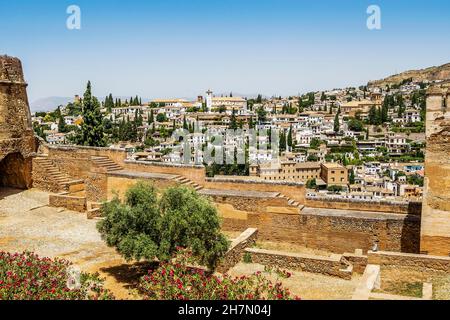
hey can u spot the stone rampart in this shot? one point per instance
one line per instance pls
(401, 207)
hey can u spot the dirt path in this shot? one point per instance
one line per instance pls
(27, 223)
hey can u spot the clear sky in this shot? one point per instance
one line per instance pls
(169, 48)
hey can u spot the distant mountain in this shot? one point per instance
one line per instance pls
(49, 103)
(430, 74)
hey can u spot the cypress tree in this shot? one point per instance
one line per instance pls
(289, 139)
(336, 123)
(91, 133)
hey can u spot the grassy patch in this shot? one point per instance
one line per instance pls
(408, 289)
(441, 288)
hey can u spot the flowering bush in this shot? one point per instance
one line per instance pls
(279, 272)
(176, 281)
(26, 276)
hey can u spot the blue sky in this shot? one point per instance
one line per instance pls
(168, 48)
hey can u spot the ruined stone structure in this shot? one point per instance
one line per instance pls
(435, 230)
(17, 141)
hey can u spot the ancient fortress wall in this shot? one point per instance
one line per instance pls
(401, 207)
(339, 232)
(76, 160)
(403, 267)
(435, 236)
(192, 172)
(17, 141)
(295, 191)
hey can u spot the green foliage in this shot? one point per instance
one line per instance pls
(161, 117)
(335, 188)
(311, 184)
(247, 257)
(91, 132)
(145, 227)
(336, 126)
(351, 177)
(262, 114)
(355, 125)
(315, 143)
(415, 179)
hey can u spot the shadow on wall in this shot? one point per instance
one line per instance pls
(15, 171)
(410, 236)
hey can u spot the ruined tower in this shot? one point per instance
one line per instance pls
(435, 229)
(17, 141)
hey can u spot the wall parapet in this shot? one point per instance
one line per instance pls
(333, 265)
(69, 147)
(410, 260)
(252, 181)
(164, 164)
(392, 206)
(236, 251)
(64, 200)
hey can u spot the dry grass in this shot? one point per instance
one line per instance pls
(290, 247)
(441, 288)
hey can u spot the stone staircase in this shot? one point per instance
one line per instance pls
(62, 180)
(106, 163)
(291, 202)
(189, 183)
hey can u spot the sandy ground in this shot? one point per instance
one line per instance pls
(307, 286)
(27, 223)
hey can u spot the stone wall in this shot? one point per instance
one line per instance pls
(97, 186)
(15, 171)
(435, 237)
(42, 180)
(76, 162)
(120, 184)
(330, 266)
(237, 248)
(295, 191)
(401, 207)
(72, 203)
(403, 267)
(192, 172)
(333, 231)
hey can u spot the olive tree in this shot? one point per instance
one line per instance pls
(145, 227)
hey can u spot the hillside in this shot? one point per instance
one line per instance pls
(431, 74)
(49, 103)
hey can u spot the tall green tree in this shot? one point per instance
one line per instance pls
(289, 138)
(91, 132)
(233, 121)
(336, 126)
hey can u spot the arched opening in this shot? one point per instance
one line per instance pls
(15, 171)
